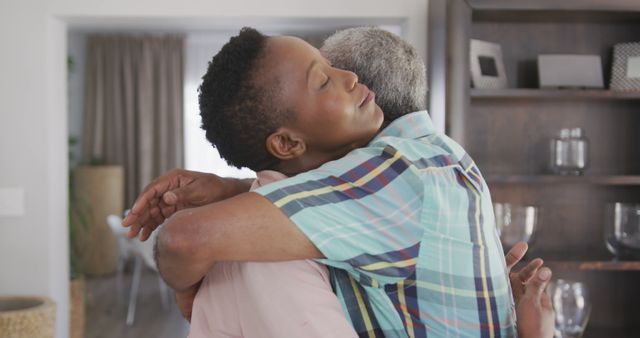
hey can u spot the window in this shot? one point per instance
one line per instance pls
(200, 155)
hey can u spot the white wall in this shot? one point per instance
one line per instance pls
(33, 109)
(33, 246)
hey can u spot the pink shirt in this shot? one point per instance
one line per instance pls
(258, 299)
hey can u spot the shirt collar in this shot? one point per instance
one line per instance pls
(414, 125)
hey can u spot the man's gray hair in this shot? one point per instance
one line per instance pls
(385, 63)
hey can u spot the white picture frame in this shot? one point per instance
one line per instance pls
(625, 70)
(487, 67)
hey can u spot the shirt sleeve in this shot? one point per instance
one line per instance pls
(362, 212)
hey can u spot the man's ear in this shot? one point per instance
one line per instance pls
(285, 144)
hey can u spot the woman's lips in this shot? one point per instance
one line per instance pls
(368, 98)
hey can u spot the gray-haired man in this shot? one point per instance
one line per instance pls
(386, 63)
(152, 207)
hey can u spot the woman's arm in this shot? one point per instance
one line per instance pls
(177, 190)
(247, 227)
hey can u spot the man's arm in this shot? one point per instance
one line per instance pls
(176, 190)
(533, 305)
(536, 317)
(247, 227)
(520, 278)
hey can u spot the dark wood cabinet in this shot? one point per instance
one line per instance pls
(508, 133)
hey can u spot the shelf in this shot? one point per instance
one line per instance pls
(559, 262)
(553, 94)
(594, 265)
(609, 332)
(622, 180)
(566, 5)
(555, 11)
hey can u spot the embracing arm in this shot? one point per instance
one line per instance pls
(176, 190)
(247, 227)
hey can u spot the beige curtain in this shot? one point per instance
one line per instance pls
(133, 106)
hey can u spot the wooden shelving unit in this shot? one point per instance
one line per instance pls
(588, 265)
(598, 332)
(561, 94)
(607, 265)
(614, 180)
(507, 132)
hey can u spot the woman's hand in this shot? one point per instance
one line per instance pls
(176, 190)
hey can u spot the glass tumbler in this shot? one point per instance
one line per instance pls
(572, 307)
(570, 152)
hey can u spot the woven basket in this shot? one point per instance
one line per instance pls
(27, 317)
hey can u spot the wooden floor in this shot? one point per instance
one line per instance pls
(106, 318)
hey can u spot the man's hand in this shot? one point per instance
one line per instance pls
(536, 318)
(185, 299)
(533, 305)
(520, 278)
(176, 190)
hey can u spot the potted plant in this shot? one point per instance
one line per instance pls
(79, 217)
(102, 188)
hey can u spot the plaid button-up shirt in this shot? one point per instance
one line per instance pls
(407, 228)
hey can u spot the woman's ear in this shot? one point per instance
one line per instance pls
(285, 144)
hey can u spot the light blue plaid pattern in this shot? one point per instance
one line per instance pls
(407, 228)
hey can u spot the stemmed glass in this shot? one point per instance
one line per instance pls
(622, 230)
(571, 303)
(515, 223)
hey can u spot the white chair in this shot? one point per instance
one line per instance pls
(142, 252)
(125, 251)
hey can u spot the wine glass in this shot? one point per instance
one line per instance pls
(515, 223)
(572, 307)
(622, 230)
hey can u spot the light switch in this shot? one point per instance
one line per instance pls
(11, 202)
